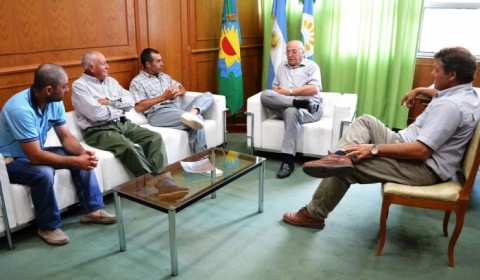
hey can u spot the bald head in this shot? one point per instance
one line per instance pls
(95, 64)
(295, 53)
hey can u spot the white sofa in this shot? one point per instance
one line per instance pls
(110, 171)
(265, 131)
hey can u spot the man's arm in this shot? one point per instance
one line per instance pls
(69, 142)
(37, 156)
(169, 94)
(413, 150)
(409, 97)
(307, 90)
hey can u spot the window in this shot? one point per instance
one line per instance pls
(448, 23)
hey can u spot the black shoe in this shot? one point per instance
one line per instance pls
(285, 170)
(312, 107)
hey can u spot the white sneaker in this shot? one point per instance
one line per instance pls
(218, 172)
(191, 120)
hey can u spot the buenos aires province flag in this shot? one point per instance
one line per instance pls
(229, 69)
(307, 29)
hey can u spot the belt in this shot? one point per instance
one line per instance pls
(122, 119)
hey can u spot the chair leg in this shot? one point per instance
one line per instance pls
(383, 224)
(460, 217)
(446, 218)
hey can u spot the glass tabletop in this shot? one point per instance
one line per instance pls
(173, 188)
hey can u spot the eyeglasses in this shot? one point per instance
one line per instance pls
(293, 52)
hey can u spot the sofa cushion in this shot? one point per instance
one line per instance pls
(273, 131)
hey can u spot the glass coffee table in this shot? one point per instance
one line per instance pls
(172, 189)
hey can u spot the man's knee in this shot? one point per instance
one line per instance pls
(266, 96)
(291, 113)
(43, 175)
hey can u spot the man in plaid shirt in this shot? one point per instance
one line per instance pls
(155, 95)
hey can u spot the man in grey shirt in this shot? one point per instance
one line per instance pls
(295, 98)
(428, 151)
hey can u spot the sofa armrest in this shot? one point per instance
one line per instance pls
(256, 114)
(7, 212)
(345, 110)
(216, 112)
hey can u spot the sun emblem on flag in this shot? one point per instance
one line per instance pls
(276, 40)
(230, 50)
(308, 35)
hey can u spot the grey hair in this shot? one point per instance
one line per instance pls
(87, 59)
(299, 43)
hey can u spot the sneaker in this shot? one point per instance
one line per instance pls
(54, 237)
(303, 219)
(168, 190)
(191, 120)
(100, 217)
(331, 165)
(218, 172)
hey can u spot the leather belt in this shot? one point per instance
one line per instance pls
(122, 119)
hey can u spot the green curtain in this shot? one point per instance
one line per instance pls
(363, 46)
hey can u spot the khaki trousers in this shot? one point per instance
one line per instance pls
(363, 130)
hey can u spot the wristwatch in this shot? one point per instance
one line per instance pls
(291, 91)
(374, 150)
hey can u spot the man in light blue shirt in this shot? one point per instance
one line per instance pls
(25, 121)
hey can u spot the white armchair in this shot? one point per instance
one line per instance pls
(265, 131)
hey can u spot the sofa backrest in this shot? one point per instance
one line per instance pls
(136, 117)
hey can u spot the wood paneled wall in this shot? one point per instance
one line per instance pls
(35, 32)
(186, 32)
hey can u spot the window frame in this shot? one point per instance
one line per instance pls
(443, 5)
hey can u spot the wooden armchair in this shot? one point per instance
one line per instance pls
(448, 196)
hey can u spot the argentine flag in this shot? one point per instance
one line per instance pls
(307, 29)
(278, 44)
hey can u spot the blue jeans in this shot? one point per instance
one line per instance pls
(40, 178)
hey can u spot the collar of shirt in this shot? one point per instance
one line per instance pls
(452, 90)
(92, 78)
(150, 75)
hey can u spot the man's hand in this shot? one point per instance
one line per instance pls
(409, 98)
(88, 160)
(359, 152)
(171, 93)
(103, 101)
(281, 90)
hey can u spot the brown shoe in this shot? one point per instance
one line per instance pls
(331, 165)
(303, 219)
(168, 190)
(100, 217)
(54, 237)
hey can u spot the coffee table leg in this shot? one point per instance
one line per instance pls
(121, 231)
(173, 242)
(261, 179)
